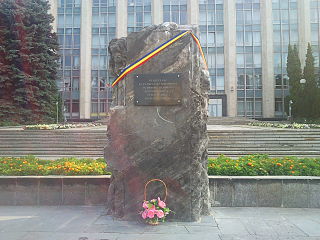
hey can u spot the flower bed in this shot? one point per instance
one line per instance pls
(251, 165)
(284, 125)
(31, 165)
(60, 126)
(263, 165)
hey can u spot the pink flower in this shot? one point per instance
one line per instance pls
(161, 203)
(151, 213)
(145, 204)
(144, 214)
(153, 207)
(160, 213)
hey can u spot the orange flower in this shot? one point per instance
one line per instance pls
(249, 164)
(293, 172)
(279, 164)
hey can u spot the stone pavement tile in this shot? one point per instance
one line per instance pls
(172, 236)
(199, 229)
(104, 219)
(67, 221)
(298, 238)
(17, 224)
(205, 221)
(129, 229)
(231, 226)
(12, 235)
(246, 237)
(77, 223)
(310, 227)
(257, 226)
(289, 211)
(68, 236)
(165, 229)
(284, 228)
(237, 212)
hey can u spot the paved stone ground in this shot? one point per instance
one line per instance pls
(91, 223)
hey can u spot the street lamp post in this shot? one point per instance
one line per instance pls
(57, 108)
(303, 81)
(290, 109)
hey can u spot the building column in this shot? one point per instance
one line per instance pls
(230, 57)
(157, 11)
(122, 18)
(268, 82)
(193, 12)
(304, 28)
(54, 12)
(85, 59)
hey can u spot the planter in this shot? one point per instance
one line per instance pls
(226, 191)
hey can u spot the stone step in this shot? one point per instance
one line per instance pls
(253, 150)
(310, 146)
(53, 135)
(57, 156)
(270, 155)
(51, 152)
(266, 132)
(264, 139)
(265, 135)
(261, 143)
(305, 148)
(296, 136)
(54, 139)
(48, 148)
(280, 152)
(53, 132)
(49, 145)
(229, 121)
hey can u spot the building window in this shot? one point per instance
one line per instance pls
(249, 58)
(103, 31)
(315, 33)
(175, 11)
(69, 40)
(139, 14)
(215, 107)
(212, 41)
(285, 32)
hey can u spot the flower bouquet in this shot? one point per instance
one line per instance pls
(155, 210)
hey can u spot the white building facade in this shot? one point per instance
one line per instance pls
(245, 42)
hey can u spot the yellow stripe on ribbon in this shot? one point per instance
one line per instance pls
(200, 49)
(154, 52)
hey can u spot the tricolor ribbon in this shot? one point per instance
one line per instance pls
(154, 52)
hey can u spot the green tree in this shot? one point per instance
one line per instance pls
(295, 75)
(310, 91)
(28, 58)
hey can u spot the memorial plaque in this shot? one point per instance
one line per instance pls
(158, 89)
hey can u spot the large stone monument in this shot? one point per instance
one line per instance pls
(157, 127)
